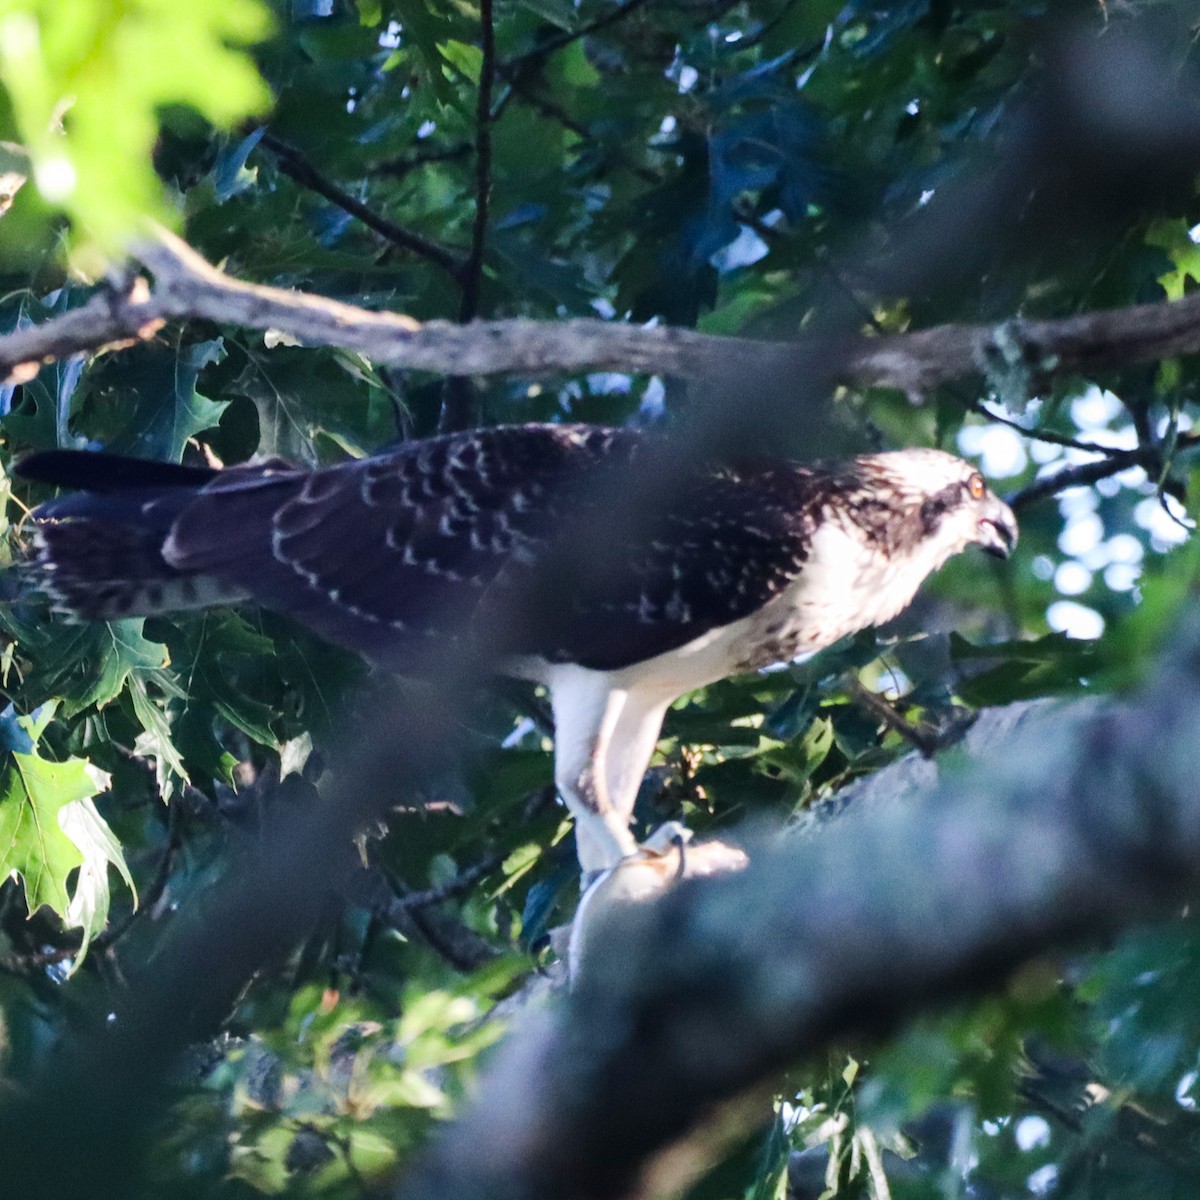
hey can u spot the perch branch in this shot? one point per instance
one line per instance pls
(187, 287)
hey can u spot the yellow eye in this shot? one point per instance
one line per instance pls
(976, 487)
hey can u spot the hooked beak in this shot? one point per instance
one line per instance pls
(997, 529)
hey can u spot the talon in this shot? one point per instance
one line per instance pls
(664, 839)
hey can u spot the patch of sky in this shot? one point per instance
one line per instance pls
(1042, 1180)
(608, 383)
(1075, 620)
(1182, 422)
(1165, 520)
(999, 449)
(1032, 1133)
(745, 249)
(653, 400)
(1043, 567)
(1072, 578)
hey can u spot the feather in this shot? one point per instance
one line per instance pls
(383, 554)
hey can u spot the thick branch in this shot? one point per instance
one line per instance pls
(1082, 821)
(187, 287)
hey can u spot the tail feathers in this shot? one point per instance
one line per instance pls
(94, 570)
(100, 550)
(83, 470)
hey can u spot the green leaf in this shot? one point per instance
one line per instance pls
(163, 418)
(121, 650)
(88, 909)
(155, 740)
(86, 83)
(33, 842)
(370, 12)
(463, 58)
(1173, 237)
(557, 12)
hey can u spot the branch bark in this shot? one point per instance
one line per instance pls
(186, 287)
(1084, 820)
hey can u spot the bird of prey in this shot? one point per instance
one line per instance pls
(507, 544)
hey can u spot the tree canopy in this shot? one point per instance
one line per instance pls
(275, 924)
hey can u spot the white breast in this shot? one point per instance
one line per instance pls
(846, 585)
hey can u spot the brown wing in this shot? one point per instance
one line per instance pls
(397, 553)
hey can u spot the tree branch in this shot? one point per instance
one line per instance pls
(189, 288)
(293, 164)
(1080, 822)
(1085, 474)
(460, 407)
(566, 36)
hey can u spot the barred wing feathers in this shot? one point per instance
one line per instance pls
(393, 554)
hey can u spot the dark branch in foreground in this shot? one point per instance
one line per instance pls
(1081, 822)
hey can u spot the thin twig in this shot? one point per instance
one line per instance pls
(550, 108)
(398, 168)
(565, 37)
(1042, 435)
(459, 402)
(407, 902)
(1082, 475)
(769, 25)
(461, 947)
(926, 741)
(1085, 474)
(472, 275)
(293, 164)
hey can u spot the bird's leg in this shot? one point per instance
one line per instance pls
(634, 738)
(586, 712)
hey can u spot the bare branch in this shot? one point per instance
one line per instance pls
(565, 37)
(398, 168)
(1085, 474)
(460, 406)
(293, 164)
(189, 288)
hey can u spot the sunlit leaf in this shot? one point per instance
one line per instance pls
(86, 83)
(48, 827)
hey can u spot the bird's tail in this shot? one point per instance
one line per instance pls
(98, 553)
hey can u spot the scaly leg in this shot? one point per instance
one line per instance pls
(586, 712)
(634, 738)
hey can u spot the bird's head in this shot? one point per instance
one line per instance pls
(946, 498)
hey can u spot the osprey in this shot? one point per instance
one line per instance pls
(442, 546)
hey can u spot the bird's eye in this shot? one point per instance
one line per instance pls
(976, 487)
